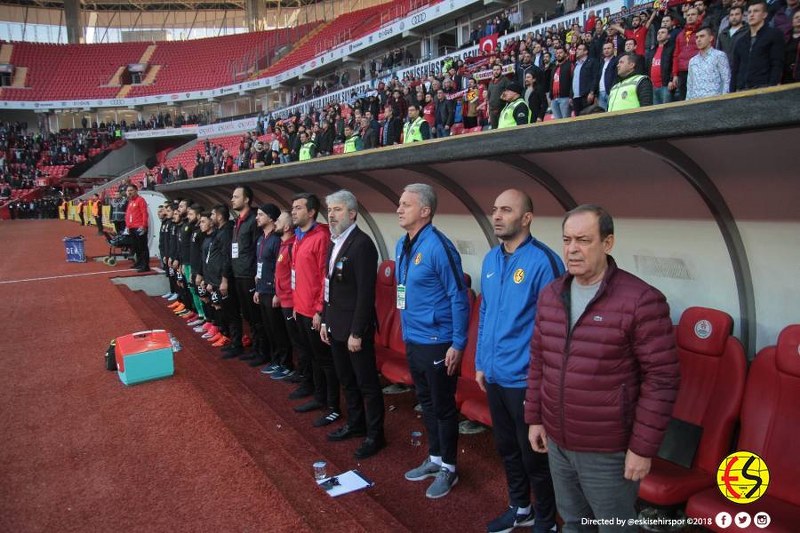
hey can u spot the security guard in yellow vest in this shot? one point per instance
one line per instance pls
(308, 150)
(352, 141)
(516, 112)
(417, 128)
(632, 91)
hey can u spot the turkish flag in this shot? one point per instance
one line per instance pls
(488, 44)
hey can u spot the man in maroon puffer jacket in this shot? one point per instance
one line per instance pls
(602, 380)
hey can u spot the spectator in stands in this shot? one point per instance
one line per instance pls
(308, 149)
(430, 281)
(584, 79)
(352, 141)
(369, 134)
(637, 32)
(791, 72)
(709, 71)
(516, 111)
(502, 356)
(392, 127)
(782, 17)
(324, 138)
(597, 463)
(443, 114)
(659, 66)
(758, 61)
(607, 76)
(632, 90)
(416, 129)
(561, 85)
(308, 262)
(497, 85)
(685, 49)
(726, 41)
(349, 324)
(136, 220)
(630, 48)
(181, 172)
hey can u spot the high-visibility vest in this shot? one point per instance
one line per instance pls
(413, 131)
(350, 144)
(95, 207)
(305, 151)
(623, 94)
(507, 119)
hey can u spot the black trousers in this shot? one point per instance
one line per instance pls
(231, 316)
(683, 79)
(323, 373)
(362, 387)
(139, 247)
(436, 392)
(524, 467)
(274, 326)
(293, 331)
(578, 103)
(244, 288)
(98, 220)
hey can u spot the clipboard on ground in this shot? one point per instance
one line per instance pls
(349, 481)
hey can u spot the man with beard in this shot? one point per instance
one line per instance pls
(308, 268)
(136, 220)
(267, 254)
(349, 324)
(512, 276)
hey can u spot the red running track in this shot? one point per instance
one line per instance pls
(217, 447)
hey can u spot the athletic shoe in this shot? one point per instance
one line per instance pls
(213, 340)
(173, 305)
(173, 297)
(184, 313)
(327, 419)
(427, 469)
(208, 325)
(191, 317)
(441, 486)
(511, 519)
(178, 308)
(196, 322)
(271, 369)
(166, 295)
(198, 329)
(283, 373)
(210, 332)
(224, 341)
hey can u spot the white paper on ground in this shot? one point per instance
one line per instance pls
(349, 481)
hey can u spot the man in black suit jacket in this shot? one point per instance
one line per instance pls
(585, 74)
(349, 324)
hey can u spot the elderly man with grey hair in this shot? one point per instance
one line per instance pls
(430, 283)
(349, 320)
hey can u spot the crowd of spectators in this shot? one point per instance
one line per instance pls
(34, 209)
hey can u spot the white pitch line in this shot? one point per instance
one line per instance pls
(65, 276)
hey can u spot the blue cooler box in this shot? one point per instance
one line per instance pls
(144, 356)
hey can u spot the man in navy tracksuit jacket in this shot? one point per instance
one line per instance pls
(434, 312)
(512, 276)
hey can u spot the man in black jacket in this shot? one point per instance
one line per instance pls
(215, 270)
(443, 113)
(757, 57)
(607, 75)
(240, 278)
(272, 319)
(392, 127)
(584, 79)
(349, 323)
(659, 67)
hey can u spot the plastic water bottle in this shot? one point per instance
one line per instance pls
(176, 345)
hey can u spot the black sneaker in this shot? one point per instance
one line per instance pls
(509, 520)
(231, 352)
(300, 392)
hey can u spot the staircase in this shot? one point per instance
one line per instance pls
(148, 54)
(20, 76)
(115, 80)
(150, 77)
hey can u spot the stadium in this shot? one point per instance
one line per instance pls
(282, 224)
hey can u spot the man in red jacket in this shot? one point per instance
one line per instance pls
(685, 50)
(309, 268)
(603, 377)
(137, 222)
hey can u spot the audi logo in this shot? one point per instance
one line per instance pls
(418, 18)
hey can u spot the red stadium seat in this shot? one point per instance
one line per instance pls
(470, 399)
(385, 304)
(457, 129)
(770, 424)
(713, 368)
(392, 360)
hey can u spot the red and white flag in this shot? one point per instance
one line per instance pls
(488, 44)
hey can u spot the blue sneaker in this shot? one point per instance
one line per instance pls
(283, 373)
(271, 368)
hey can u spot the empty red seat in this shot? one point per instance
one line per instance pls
(457, 129)
(770, 424)
(713, 368)
(470, 399)
(392, 360)
(385, 304)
